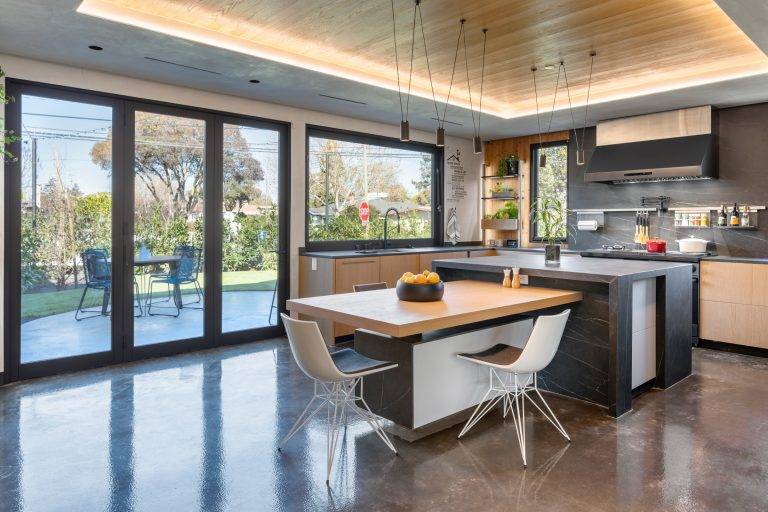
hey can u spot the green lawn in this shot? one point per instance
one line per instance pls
(37, 305)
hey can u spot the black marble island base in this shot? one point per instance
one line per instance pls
(595, 359)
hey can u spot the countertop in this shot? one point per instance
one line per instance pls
(464, 302)
(393, 252)
(737, 259)
(571, 266)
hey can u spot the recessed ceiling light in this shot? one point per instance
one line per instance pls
(254, 81)
(95, 47)
(549, 67)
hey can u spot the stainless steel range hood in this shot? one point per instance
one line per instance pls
(676, 145)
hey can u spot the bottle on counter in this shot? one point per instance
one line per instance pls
(745, 216)
(722, 218)
(516, 277)
(735, 218)
(507, 282)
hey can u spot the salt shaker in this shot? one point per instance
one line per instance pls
(507, 282)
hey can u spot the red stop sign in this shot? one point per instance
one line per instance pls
(364, 211)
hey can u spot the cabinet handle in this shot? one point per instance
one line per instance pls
(357, 262)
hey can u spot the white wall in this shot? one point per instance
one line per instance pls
(45, 72)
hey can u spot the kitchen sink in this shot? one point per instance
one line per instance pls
(377, 251)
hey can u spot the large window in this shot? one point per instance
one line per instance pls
(350, 171)
(549, 191)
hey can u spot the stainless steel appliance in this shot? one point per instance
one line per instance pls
(621, 251)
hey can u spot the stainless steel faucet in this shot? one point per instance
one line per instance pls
(386, 226)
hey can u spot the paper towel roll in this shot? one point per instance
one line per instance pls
(587, 225)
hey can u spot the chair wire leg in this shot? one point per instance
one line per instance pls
(548, 414)
(484, 406)
(304, 417)
(333, 428)
(374, 422)
(519, 416)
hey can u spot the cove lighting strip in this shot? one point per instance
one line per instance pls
(172, 27)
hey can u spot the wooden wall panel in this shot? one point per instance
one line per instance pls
(521, 147)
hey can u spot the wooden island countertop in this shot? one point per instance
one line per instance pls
(464, 302)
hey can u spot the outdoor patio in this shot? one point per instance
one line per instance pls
(61, 335)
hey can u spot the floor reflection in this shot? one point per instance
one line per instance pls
(199, 432)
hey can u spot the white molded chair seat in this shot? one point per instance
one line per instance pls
(513, 374)
(338, 379)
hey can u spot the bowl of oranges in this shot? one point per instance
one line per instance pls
(424, 287)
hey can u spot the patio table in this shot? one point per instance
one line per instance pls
(170, 259)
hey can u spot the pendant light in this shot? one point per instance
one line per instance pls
(440, 142)
(579, 147)
(580, 151)
(477, 144)
(542, 157)
(405, 128)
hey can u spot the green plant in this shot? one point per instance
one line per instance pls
(7, 135)
(507, 165)
(551, 218)
(508, 211)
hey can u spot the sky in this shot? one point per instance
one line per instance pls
(71, 129)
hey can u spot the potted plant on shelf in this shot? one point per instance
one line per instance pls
(551, 218)
(504, 219)
(509, 165)
(499, 190)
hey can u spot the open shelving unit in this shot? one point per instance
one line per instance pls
(499, 229)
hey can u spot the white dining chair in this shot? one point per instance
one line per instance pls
(513, 374)
(336, 377)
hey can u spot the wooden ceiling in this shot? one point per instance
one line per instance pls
(644, 46)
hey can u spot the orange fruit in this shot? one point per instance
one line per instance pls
(420, 279)
(426, 273)
(433, 278)
(411, 279)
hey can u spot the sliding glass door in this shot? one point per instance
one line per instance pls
(250, 226)
(169, 168)
(59, 267)
(135, 229)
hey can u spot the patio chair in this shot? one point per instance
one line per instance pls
(186, 271)
(98, 276)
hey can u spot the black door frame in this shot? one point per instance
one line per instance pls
(123, 108)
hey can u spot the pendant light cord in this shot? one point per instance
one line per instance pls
(469, 88)
(570, 108)
(397, 63)
(441, 123)
(536, 95)
(410, 72)
(592, 55)
(426, 56)
(482, 81)
(554, 101)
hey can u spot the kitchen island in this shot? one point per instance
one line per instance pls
(431, 389)
(631, 330)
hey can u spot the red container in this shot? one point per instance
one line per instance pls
(656, 245)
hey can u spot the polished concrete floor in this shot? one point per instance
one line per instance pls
(199, 432)
(62, 336)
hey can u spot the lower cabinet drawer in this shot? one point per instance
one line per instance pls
(740, 324)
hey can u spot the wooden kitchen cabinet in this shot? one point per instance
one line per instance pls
(480, 254)
(393, 267)
(760, 285)
(726, 282)
(425, 260)
(349, 272)
(733, 305)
